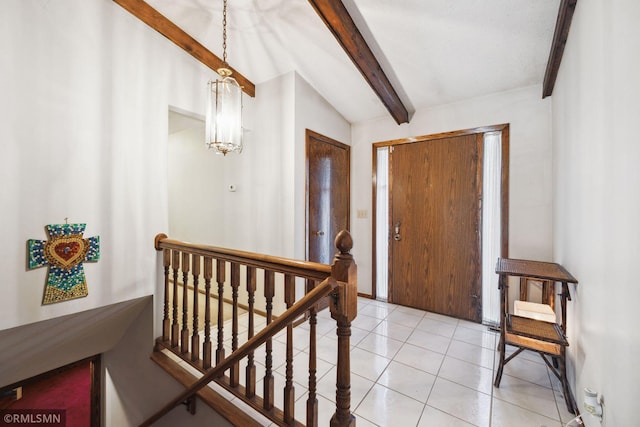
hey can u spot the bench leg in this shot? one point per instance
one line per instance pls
(568, 396)
(502, 347)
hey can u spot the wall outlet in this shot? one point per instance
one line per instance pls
(593, 403)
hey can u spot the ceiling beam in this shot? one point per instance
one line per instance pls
(341, 24)
(563, 23)
(161, 24)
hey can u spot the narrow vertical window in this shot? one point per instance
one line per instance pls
(491, 220)
(382, 223)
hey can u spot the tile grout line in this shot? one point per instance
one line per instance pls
(493, 375)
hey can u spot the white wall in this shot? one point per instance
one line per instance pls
(85, 92)
(530, 210)
(265, 177)
(597, 200)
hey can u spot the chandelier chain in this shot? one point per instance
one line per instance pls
(224, 32)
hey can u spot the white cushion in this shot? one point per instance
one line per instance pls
(534, 310)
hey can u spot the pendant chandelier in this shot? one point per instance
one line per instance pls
(224, 105)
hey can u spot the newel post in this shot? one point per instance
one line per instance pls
(344, 308)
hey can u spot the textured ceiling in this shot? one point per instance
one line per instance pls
(434, 51)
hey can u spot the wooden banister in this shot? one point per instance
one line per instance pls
(308, 269)
(227, 272)
(309, 300)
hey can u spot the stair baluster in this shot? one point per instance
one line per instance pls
(206, 347)
(312, 399)
(220, 277)
(184, 336)
(269, 292)
(234, 374)
(250, 381)
(289, 389)
(175, 327)
(195, 338)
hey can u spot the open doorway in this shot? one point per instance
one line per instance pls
(195, 178)
(440, 221)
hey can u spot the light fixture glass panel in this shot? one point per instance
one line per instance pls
(224, 116)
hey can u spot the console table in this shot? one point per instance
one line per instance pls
(545, 338)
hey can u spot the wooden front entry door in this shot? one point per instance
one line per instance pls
(328, 195)
(435, 225)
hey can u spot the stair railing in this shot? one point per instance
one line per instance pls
(337, 281)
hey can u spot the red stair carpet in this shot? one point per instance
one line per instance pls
(69, 390)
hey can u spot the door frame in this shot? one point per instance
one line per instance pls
(504, 191)
(308, 135)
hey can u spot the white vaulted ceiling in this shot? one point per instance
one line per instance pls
(433, 51)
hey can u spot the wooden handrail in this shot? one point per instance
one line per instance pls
(311, 270)
(296, 310)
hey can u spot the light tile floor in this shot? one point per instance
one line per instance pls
(415, 368)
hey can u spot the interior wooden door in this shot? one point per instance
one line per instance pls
(435, 216)
(328, 197)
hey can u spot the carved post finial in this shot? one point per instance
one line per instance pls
(344, 242)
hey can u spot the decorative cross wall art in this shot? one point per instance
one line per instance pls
(64, 252)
